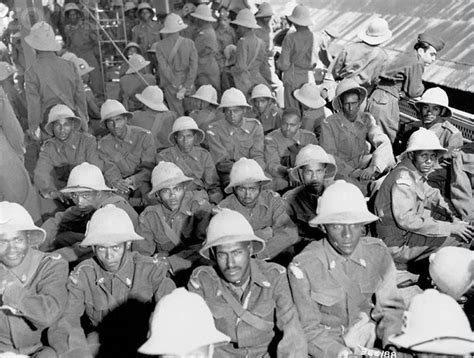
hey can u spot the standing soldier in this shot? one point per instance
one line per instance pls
(296, 54)
(130, 11)
(114, 285)
(402, 78)
(177, 63)
(81, 39)
(364, 61)
(344, 286)
(33, 284)
(147, 32)
(234, 136)
(208, 71)
(251, 65)
(50, 80)
(264, 209)
(249, 298)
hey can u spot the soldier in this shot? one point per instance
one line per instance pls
(206, 112)
(87, 190)
(313, 108)
(93, 109)
(33, 284)
(402, 78)
(345, 134)
(195, 161)
(154, 116)
(282, 146)
(182, 314)
(249, 298)
(251, 65)
(235, 136)
(66, 148)
(413, 214)
(174, 227)
(435, 326)
(264, 209)
(131, 49)
(177, 63)
(265, 108)
(296, 54)
(207, 47)
(147, 32)
(50, 80)
(316, 169)
(134, 81)
(81, 39)
(130, 12)
(115, 285)
(128, 152)
(364, 61)
(225, 34)
(344, 286)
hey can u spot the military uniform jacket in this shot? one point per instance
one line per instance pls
(57, 158)
(160, 124)
(269, 220)
(34, 301)
(230, 143)
(96, 292)
(208, 51)
(449, 136)
(347, 142)
(330, 291)
(81, 38)
(130, 85)
(146, 34)
(282, 151)
(405, 203)
(51, 80)
(266, 303)
(270, 118)
(176, 235)
(134, 155)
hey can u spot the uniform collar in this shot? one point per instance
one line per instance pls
(260, 202)
(415, 172)
(176, 151)
(244, 125)
(26, 269)
(334, 259)
(124, 273)
(184, 208)
(128, 136)
(257, 276)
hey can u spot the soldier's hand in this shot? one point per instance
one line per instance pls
(122, 186)
(345, 353)
(463, 230)
(368, 173)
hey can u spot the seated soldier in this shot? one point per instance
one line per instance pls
(435, 112)
(436, 327)
(111, 287)
(345, 135)
(316, 169)
(282, 146)
(264, 209)
(265, 108)
(236, 136)
(86, 188)
(415, 220)
(313, 108)
(193, 160)
(32, 284)
(128, 152)
(249, 298)
(344, 286)
(155, 116)
(206, 111)
(182, 326)
(175, 226)
(462, 182)
(67, 148)
(134, 81)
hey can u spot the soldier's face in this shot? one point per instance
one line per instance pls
(13, 248)
(62, 128)
(430, 113)
(313, 176)
(86, 199)
(424, 160)
(261, 104)
(344, 238)
(172, 197)
(110, 256)
(350, 105)
(234, 115)
(117, 126)
(131, 51)
(233, 261)
(428, 56)
(248, 194)
(145, 14)
(185, 140)
(73, 16)
(290, 125)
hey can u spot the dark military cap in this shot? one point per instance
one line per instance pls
(434, 41)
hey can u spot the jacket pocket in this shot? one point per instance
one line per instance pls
(327, 297)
